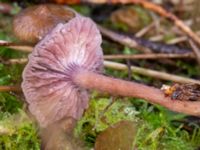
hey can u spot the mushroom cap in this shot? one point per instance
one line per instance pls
(48, 77)
(34, 22)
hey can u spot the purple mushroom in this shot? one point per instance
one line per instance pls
(68, 62)
(48, 77)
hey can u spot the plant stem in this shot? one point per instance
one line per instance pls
(120, 87)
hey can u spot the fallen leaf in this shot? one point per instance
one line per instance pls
(119, 136)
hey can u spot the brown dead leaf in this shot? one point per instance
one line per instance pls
(119, 136)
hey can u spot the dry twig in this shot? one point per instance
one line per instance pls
(150, 56)
(7, 88)
(121, 56)
(139, 70)
(196, 51)
(15, 46)
(143, 31)
(22, 48)
(151, 73)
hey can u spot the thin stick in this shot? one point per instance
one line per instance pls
(22, 48)
(135, 56)
(151, 73)
(14, 61)
(7, 88)
(150, 56)
(122, 56)
(139, 70)
(15, 46)
(143, 31)
(195, 50)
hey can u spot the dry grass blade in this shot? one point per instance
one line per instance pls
(17, 61)
(143, 31)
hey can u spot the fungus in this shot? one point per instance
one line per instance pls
(48, 77)
(33, 23)
(66, 64)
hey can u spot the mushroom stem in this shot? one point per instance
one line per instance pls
(119, 87)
